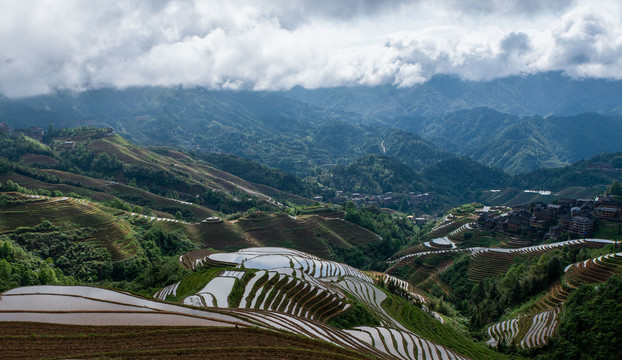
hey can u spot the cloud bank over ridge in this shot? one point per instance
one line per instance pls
(279, 44)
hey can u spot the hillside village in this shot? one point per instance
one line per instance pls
(388, 199)
(561, 220)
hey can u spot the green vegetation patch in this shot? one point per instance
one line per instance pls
(196, 281)
(356, 315)
(609, 230)
(235, 296)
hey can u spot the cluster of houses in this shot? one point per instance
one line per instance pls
(388, 199)
(34, 132)
(601, 166)
(37, 133)
(573, 216)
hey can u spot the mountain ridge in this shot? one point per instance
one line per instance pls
(523, 95)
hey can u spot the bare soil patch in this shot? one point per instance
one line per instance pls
(38, 159)
(21, 340)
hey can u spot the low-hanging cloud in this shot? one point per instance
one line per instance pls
(271, 45)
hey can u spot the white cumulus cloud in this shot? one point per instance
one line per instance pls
(242, 44)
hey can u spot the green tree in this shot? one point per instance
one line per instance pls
(6, 270)
(615, 188)
(10, 186)
(47, 276)
(26, 277)
(6, 251)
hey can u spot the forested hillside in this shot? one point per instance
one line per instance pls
(538, 94)
(519, 145)
(301, 129)
(264, 127)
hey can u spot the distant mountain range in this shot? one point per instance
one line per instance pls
(265, 127)
(549, 93)
(516, 124)
(519, 145)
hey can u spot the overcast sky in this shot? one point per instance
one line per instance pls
(278, 44)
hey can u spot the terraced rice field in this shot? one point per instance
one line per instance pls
(404, 285)
(219, 236)
(214, 294)
(289, 288)
(493, 261)
(280, 289)
(274, 231)
(371, 296)
(110, 231)
(489, 262)
(80, 305)
(288, 281)
(461, 229)
(591, 271)
(525, 331)
(440, 243)
(445, 227)
(165, 292)
(306, 232)
(486, 262)
(594, 270)
(37, 340)
(152, 220)
(539, 323)
(192, 259)
(403, 344)
(413, 256)
(349, 232)
(86, 306)
(56, 210)
(555, 297)
(267, 258)
(535, 328)
(421, 272)
(410, 251)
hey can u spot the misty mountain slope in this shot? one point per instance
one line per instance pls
(374, 174)
(495, 122)
(265, 127)
(538, 94)
(576, 174)
(521, 145)
(465, 129)
(190, 104)
(457, 178)
(295, 136)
